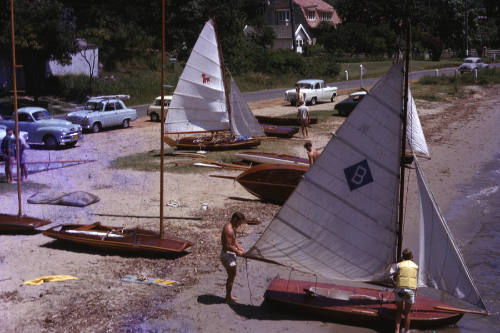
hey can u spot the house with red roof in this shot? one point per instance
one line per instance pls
(295, 24)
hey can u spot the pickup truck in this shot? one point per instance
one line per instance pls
(43, 129)
(311, 92)
(103, 111)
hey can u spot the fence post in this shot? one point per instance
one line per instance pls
(436, 72)
(346, 75)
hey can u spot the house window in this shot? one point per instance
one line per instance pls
(325, 16)
(282, 16)
(311, 15)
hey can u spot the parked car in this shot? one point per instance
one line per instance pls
(345, 107)
(102, 112)
(43, 129)
(472, 63)
(154, 109)
(3, 132)
(311, 92)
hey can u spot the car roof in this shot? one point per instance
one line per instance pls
(310, 81)
(31, 109)
(169, 97)
(358, 93)
(472, 58)
(98, 100)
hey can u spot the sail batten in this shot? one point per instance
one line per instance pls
(441, 265)
(340, 222)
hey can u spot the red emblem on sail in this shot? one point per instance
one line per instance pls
(205, 78)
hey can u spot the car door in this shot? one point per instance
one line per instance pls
(27, 124)
(120, 112)
(108, 115)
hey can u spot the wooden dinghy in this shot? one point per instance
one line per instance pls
(271, 158)
(271, 182)
(362, 306)
(206, 143)
(20, 224)
(117, 238)
(279, 131)
(283, 121)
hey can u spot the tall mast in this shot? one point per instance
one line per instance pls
(14, 85)
(403, 144)
(223, 70)
(162, 116)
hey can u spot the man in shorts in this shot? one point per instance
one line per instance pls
(8, 150)
(312, 153)
(231, 249)
(303, 117)
(406, 287)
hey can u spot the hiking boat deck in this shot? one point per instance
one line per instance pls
(20, 224)
(272, 158)
(283, 121)
(279, 131)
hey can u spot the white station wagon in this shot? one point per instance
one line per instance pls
(102, 112)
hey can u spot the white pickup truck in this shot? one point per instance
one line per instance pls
(311, 91)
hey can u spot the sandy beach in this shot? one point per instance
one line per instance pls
(462, 135)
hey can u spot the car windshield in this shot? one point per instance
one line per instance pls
(469, 61)
(41, 115)
(94, 106)
(158, 102)
(303, 85)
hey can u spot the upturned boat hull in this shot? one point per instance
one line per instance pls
(271, 158)
(195, 143)
(364, 306)
(283, 121)
(20, 224)
(279, 131)
(117, 238)
(271, 182)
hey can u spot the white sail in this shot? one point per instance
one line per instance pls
(199, 100)
(415, 136)
(341, 220)
(243, 122)
(441, 266)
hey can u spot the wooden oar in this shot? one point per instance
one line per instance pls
(453, 309)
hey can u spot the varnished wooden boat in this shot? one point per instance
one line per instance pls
(20, 224)
(272, 158)
(279, 131)
(117, 238)
(284, 121)
(272, 182)
(204, 143)
(358, 306)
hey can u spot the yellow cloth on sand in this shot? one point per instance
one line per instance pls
(165, 282)
(49, 278)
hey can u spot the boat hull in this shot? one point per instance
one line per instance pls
(272, 158)
(283, 121)
(190, 143)
(361, 312)
(117, 238)
(271, 182)
(20, 224)
(279, 131)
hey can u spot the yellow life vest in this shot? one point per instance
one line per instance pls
(407, 275)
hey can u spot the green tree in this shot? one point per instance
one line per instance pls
(44, 31)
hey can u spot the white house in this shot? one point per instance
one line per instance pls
(284, 37)
(84, 62)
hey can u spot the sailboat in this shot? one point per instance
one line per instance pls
(18, 223)
(342, 223)
(121, 238)
(201, 103)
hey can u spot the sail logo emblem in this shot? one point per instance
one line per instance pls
(205, 78)
(358, 175)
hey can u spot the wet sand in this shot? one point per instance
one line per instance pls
(461, 135)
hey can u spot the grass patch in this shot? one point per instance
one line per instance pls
(25, 186)
(322, 115)
(150, 161)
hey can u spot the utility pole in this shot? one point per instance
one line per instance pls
(466, 30)
(292, 20)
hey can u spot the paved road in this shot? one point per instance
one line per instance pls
(254, 96)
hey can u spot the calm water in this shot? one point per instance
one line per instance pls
(475, 222)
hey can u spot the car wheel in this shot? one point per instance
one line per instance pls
(50, 142)
(155, 117)
(313, 101)
(126, 123)
(96, 128)
(332, 98)
(71, 144)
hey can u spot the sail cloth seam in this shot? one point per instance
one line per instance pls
(203, 56)
(206, 87)
(387, 106)
(368, 157)
(326, 228)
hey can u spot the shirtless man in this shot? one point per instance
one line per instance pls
(303, 117)
(231, 249)
(312, 153)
